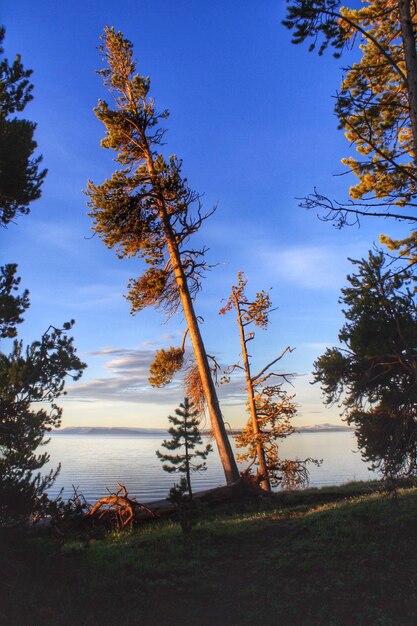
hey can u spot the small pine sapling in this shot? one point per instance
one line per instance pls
(184, 506)
(185, 437)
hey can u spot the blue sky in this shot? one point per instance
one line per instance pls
(252, 118)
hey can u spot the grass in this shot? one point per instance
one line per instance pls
(329, 557)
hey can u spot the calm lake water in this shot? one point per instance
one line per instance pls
(95, 464)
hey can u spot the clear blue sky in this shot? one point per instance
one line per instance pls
(252, 118)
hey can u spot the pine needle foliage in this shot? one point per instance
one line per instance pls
(12, 305)
(32, 377)
(374, 374)
(148, 210)
(376, 104)
(194, 388)
(144, 209)
(165, 365)
(20, 177)
(185, 437)
(29, 376)
(269, 405)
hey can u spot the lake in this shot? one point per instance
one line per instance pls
(96, 463)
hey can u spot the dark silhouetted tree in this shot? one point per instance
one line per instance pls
(12, 306)
(29, 376)
(20, 178)
(32, 375)
(146, 209)
(374, 375)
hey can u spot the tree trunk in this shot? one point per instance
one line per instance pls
(252, 406)
(219, 431)
(120, 53)
(187, 462)
(409, 45)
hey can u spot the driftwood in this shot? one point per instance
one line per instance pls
(118, 510)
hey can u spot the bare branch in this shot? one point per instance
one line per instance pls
(254, 379)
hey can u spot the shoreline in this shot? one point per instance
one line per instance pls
(139, 432)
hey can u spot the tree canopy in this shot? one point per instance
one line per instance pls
(376, 105)
(32, 378)
(12, 305)
(20, 177)
(185, 437)
(374, 374)
(269, 405)
(147, 210)
(29, 376)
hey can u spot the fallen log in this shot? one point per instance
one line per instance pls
(244, 487)
(118, 510)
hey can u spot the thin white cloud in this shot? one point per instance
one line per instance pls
(61, 236)
(310, 267)
(128, 384)
(317, 346)
(131, 361)
(128, 380)
(105, 351)
(233, 393)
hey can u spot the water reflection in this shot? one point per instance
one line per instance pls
(97, 463)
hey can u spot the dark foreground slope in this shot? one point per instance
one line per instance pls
(302, 559)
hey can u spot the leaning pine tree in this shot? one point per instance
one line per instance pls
(145, 210)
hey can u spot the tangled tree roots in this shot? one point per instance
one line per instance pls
(117, 510)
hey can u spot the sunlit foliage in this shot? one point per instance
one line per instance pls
(270, 406)
(165, 365)
(156, 287)
(376, 104)
(144, 208)
(194, 388)
(148, 210)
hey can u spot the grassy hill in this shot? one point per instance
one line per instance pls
(340, 556)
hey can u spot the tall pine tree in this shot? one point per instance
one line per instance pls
(31, 377)
(146, 209)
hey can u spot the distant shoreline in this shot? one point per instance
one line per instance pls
(135, 432)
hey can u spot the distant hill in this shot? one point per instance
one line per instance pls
(318, 428)
(109, 431)
(112, 431)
